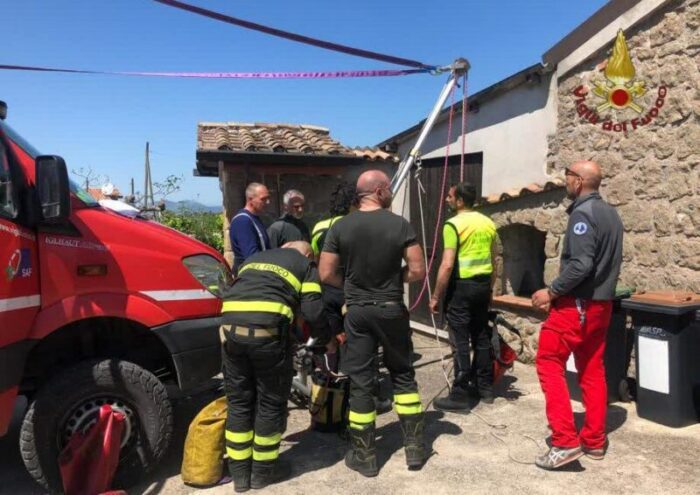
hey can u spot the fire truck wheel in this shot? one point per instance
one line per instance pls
(70, 401)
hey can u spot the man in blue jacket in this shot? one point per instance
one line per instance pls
(247, 232)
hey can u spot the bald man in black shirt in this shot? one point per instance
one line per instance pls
(371, 244)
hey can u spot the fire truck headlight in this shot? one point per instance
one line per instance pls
(210, 272)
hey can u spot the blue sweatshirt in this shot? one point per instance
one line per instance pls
(248, 236)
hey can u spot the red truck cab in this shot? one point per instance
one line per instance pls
(95, 308)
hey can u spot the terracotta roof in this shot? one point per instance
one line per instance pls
(97, 194)
(279, 138)
(554, 183)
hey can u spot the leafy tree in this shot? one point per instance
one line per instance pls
(203, 226)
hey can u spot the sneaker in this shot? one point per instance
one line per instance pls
(594, 454)
(557, 457)
(486, 397)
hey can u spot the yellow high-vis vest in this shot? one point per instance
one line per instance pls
(319, 229)
(471, 234)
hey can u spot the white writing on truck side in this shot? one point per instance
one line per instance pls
(75, 243)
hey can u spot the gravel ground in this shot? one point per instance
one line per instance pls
(490, 450)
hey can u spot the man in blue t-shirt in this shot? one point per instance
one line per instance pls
(247, 232)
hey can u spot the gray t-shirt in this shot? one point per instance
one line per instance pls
(371, 246)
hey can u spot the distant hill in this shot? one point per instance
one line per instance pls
(191, 205)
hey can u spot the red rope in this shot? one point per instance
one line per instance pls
(426, 281)
(464, 126)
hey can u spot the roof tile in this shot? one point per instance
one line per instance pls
(279, 138)
(533, 188)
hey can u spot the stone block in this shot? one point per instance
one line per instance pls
(663, 219)
(663, 146)
(649, 251)
(551, 270)
(692, 18)
(669, 29)
(676, 109)
(636, 216)
(671, 48)
(543, 220)
(686, 253)
(628, 249)
(551, 246)
(688, 140)
(678, 185)
(687, 215)
(673, 73)
(633, 149)
(617, 190)
(558, 222)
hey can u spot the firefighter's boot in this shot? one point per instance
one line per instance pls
(362, 456)
(268, 472)
(412, 426)
(240, 473)
(457, 400)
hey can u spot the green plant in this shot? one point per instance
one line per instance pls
(205, 227)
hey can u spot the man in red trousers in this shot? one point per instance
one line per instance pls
(579, 302)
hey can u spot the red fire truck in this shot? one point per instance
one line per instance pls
(95, 308)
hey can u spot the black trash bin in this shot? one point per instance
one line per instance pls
(667, 330)
(616, 357)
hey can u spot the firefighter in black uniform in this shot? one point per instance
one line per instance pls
(257, 314)
(343, 199)
(371, 244)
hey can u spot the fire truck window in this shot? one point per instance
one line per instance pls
(8, 208)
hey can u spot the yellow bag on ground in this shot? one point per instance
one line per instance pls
(203, 458)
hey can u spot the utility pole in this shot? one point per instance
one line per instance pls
(148, 202)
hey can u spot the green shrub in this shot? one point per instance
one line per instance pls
(205, 227)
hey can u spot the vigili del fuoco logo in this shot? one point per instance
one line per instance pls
(620, 91)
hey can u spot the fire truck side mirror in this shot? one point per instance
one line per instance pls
(53, 189)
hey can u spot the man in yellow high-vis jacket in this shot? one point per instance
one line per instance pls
(258, 310)
(466, 274)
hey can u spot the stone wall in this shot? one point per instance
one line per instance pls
(651, 171)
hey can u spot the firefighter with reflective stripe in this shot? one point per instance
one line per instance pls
(257, 313)
(342, 201)
(371, 244)
(466, 274)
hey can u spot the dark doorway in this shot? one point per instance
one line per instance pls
(523, 259)
(431, 177)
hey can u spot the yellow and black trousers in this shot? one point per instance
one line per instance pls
(258, 372)
(368, 325)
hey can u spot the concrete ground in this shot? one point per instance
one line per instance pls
(470, 453)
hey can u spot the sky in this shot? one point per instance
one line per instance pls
(103, 122)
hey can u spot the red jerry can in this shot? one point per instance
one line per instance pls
(90, 459)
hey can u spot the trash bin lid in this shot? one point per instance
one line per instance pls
(665, 302)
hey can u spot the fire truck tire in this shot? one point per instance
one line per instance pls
(70, 401)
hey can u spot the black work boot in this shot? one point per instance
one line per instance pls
(486, 396)
(240, 473)
(457, 400)
(269, 472)
(362, 456)
(412, 426)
